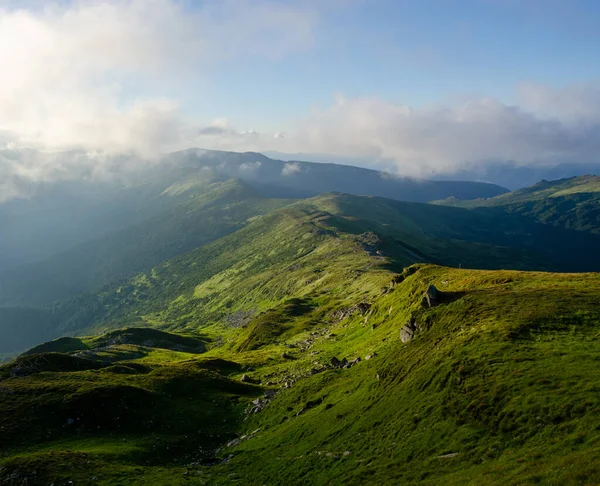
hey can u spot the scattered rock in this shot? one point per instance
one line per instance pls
(233, 443)
(431, 297)
(350, 364)
(347, 453)
(408, 331)
(370, 356)
(341, 314)
(344, 363)
(270, 393)
(239, 319)
(247, 379)
(447, 456)
(285, 356)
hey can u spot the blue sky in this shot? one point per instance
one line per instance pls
(416, 52)
(415, 86)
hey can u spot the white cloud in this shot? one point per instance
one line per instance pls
(71, 71)
(448, 139)
(92, 74)
(576, 103)
(441, 139)
(250, 166)
(290, 168)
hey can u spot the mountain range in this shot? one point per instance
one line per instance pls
(221, 317)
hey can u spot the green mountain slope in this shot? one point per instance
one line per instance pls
(305, 246)
(51, 217)
(498, 385)
(572, 203)
(208, 211)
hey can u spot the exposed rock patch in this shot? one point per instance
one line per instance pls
(246, 379)
(341, 314)
(408, 331)
(432, 297)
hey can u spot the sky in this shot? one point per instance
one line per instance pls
(413, 86)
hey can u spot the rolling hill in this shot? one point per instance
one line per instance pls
(572, 203)
(339, 339)
(497, 385)
(108, 193)
(64, 238)
(313, 240)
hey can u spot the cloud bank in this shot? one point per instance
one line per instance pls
(547, 128)
(92, 73)
(100, 76)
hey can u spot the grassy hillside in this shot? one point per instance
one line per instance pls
(207, 214)
(313, 243)
(572, 203)
(301, 248)
(497, 386)
(51, 217)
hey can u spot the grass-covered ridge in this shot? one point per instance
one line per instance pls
(320, 245)
(499, 386)
(572, 203)
(269, 255)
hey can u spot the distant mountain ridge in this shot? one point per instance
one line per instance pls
(52, 217)
(309, 179)
(198, 206)
(572, 203)
(503, 173)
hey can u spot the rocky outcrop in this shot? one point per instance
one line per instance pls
(407, 332)
(239, 319)
(341, 314)
(371, 243)
(410, 329)
(259, 404)
(247, 379)
(344, 363)
(432, 297)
